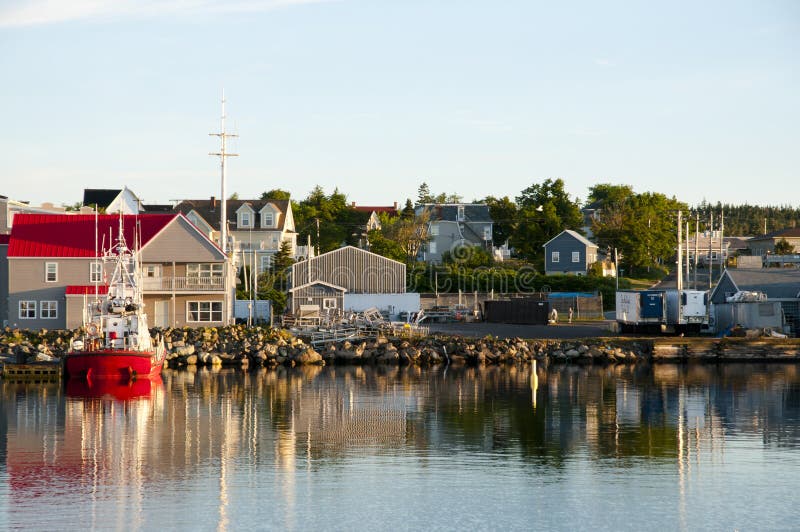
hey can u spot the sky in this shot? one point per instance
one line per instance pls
(696, 100)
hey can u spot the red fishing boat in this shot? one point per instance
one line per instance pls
(116, 343)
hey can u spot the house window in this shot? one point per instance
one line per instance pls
(267, 219)
(266, 260)
(204, 270)
(48, 309)
(95, 272)
(27, 310)
(487, 232)
(576, 256)
(204, 311)
(329, 302)
(244, 219)
(460, 213)
(434, 229)
(432, 247)
(554, 257)
(151, 270)
(51, 272)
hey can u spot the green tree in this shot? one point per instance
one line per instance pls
(642, 228)
(408, 211)
(783, 247)
(276, 194)
(424, 194)
(544, 211)
(338, 222)
(385, 247)
(504, 216)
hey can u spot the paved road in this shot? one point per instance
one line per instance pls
(505, 330)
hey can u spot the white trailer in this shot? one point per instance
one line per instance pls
(687, 310)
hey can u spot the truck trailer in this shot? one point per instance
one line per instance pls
(641, 310)
(662, 311)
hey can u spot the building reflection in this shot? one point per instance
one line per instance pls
(221, 424)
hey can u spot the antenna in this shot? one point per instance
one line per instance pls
(222, 154)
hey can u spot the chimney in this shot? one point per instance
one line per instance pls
(213, 203)
(395, 205)
(353, 204)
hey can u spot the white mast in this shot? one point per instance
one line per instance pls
(222, 154)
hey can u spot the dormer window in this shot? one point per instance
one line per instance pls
(244, 219)
(267, 219)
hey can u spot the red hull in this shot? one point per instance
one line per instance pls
(114, 364)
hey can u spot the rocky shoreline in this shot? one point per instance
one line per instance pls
(240, 346)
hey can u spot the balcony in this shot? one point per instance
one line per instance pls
(184, 284)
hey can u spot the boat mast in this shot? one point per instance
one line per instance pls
(222, 154)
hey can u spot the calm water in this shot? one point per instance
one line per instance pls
(711, 447)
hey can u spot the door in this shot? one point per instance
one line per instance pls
(162, 314)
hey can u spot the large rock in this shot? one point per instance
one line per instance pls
(308, 356)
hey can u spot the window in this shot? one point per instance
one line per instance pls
(267, 219)
(204, 311)
(460, 213)
(204, 270)
(432, 247)
(576, 256)
(554, 257)
(151, 270)
(51, 272)
(48, 309)
(95, 272)
(244, 219)
(27, 310)
(434, 229)
(329, 302)
(487, 232)
(266, 260)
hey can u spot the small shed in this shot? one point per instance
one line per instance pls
(325, 296)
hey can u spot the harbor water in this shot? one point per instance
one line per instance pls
(633, 447)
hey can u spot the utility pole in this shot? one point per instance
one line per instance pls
(710, 247)
(696, 246)
(722, 258)
(317, 219)
(680, 251)
(222, 154)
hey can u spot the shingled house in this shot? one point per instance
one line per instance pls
(455, 224)
(256, 228)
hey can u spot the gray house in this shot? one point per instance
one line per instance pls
(452, 225)
(569, 253)
(779, 284)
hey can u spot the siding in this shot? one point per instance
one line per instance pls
(354, 269)
(3, 283)
(314, 295)
(181, 242)
(565, 244)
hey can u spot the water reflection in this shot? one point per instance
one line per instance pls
(217, 435)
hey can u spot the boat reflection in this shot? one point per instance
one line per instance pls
(122, 389)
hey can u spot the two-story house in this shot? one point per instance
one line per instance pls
(569, 253)
(55, 267)
(256, 228)
(453, 225)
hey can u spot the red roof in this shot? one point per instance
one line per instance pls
(73, 235)
(85, 290)
(4, 239)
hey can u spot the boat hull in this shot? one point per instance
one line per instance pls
(114, 364)
(122, 389)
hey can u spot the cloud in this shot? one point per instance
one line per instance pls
(21, 13)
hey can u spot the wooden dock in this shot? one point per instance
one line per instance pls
(33, 372)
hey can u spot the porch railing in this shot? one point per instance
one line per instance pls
(183, 284)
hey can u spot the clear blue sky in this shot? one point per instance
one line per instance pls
(700, 100)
